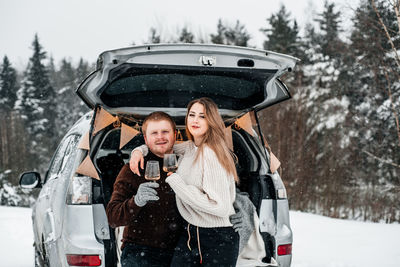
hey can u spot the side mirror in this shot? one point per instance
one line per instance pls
(30, 180)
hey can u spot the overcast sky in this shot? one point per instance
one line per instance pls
(85, 28)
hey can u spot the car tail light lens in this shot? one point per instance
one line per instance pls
(83, 260)
(285, 249)
(279, 186)
(281, 193)
(80, 191)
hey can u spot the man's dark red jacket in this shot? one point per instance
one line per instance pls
(157, 224)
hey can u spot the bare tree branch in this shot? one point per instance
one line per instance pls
(387, 33)
(381, 159)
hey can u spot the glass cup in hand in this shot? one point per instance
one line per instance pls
(152, 172)
(170, 163)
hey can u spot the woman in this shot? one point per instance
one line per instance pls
(204, 185)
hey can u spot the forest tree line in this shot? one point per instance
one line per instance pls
(338, 138)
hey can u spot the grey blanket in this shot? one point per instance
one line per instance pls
(243, 219)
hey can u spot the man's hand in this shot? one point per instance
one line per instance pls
(237, 221)
(136, 158)
(146, 193)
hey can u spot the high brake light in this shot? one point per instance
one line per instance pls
(285, 249)
(83, 260)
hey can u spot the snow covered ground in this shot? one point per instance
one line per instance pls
(16, 237)
(318, 241)
(325, 242)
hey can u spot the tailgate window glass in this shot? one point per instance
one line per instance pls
(234, 89)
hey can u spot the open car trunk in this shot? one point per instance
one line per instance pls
(133, 82)
(143, 79)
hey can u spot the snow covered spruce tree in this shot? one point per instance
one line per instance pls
(371, 83)
(315, 144)
(36, 104)
(285, 124)
(69, 106)
(8, 96)
(328, 111)
(12, 140)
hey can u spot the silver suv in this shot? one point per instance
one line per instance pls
(69, 220)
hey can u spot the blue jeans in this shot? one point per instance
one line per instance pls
(143, 256)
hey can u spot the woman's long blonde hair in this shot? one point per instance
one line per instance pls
(215, 135)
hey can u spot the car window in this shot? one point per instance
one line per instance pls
(59, 161)
(69, 156)
(257, 145)
(110, 146)
(173, 86)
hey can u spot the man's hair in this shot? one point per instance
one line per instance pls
(158, 116)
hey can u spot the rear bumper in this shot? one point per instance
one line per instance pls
(79, 234)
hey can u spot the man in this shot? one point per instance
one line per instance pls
(147, 209)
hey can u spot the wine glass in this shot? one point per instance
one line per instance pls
(152, 172)
(170, 163)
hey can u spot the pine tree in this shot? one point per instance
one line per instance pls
(8, 86)
(368, 77)
(377, 73)
(154, 37)
(325, 47)
(228, 35)
(12, 140)
(328, 117)
(69, 107)
(237, 35)
(8, 90)
(51, 67)
(329, 24)
(186, 36)
(310, 123)
(36, 104)
(281, 36)
(219, 37)
(82, 71)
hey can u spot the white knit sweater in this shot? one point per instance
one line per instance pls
(205, 192)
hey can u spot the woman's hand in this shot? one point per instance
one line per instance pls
(136, 158)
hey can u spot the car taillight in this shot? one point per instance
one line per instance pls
(80, 191)
(83, 260)
(285, 249)
(279, 186)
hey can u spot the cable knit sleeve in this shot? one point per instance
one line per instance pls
(181, 148)
(178, 148)
(143, 148)
(214, 198)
